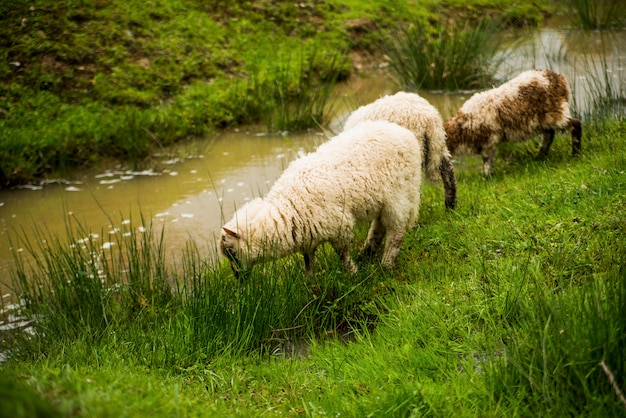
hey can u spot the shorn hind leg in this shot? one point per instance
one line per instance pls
(488, 152)
(577, 134)
(395, 224)
(488, 159)
(347, 262)
(548, 137)
(309, 261)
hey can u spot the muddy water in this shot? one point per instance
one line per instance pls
(188, 198)
(191, 198)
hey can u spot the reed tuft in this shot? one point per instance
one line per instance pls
(447, 56)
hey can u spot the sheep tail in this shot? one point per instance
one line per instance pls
(449, 182)
(435, 152)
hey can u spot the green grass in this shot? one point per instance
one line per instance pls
(508, 306)
(504, 307)
(120, 294)
(21, 401)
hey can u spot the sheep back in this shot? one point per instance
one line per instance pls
(415, 113)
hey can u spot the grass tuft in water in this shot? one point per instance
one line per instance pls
(299, 95)
(604, 91)
(86, 287)
(448, 56)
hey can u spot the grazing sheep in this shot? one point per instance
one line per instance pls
(534, 102)
(415, 113)
(369, 173)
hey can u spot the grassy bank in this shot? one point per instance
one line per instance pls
(85, 81)
(508, 306)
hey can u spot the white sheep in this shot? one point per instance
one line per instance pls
(415, 113)
(369, 173)
(534, 102)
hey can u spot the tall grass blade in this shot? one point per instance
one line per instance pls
(555, 358)
(601, 95)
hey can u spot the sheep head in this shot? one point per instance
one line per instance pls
(241, 248)
(230, 246)
(243, 239)
(454, 133)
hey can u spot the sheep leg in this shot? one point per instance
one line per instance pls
(393, 240)
(488, 159)
(577, 133)
(548, 137)
(309, 260)
(449, 183)
(343, 249)
(374, 238)
(348, 264)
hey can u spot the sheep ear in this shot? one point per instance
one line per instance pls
(231, 233)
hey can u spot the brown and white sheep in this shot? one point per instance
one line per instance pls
(534, 102)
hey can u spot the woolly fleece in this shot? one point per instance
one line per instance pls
(534, 102)
(415, 113)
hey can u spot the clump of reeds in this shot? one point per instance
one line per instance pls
(446, 56)
(126, 294)
(299, 94)
(84, 286)
(603, 92)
